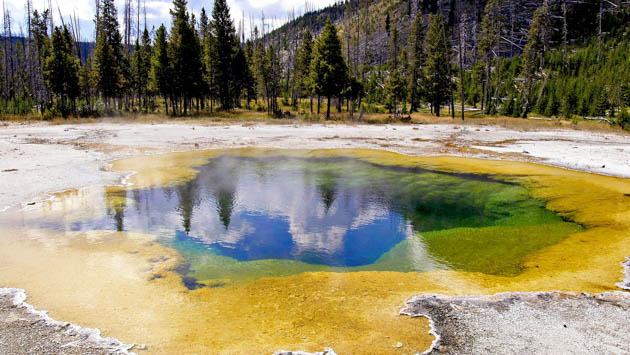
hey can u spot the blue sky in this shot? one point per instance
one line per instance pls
(158, 10)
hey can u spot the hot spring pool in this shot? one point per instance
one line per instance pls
(255, 250)
(242, 218)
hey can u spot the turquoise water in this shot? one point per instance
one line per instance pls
(245, 218)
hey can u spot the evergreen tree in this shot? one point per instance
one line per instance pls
(225, 49)
(534, 51)
(184, 53)
(160, 75)
(203, 24)
(61, 69)
(210, 63)
(438, 82)
(354, 92)
(145, 67)
(491, 27)
(417, 62)
(303, 65)
(108, 53)
(242, 75)
(394, 50)
(88, 83)
(39, 31)
(396, 91)
(250, 85)
(273, 79)
(260, 65)
(329, 72)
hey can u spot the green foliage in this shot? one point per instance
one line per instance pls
(61, 70)
(437, 71)
(624, 119)
(396, 91)
(303, 59)
(225, 49)
(141, 65)
(329, 72)
(416, 64)
(159, 76)
(534, 51)
(184, 55)
(109, 61)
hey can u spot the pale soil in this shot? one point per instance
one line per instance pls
(37, 159)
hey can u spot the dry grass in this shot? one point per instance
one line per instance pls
(243, 116)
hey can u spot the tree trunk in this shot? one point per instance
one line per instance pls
(328, 109)
(319, 104)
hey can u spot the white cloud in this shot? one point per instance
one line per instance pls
(158, 11)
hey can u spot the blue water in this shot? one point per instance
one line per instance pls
(340, 213)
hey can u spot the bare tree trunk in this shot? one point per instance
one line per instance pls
(565, 31)
(599, 49)
(461, 55)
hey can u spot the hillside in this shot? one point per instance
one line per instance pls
(363, 24)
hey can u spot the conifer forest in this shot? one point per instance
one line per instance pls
(542, 58)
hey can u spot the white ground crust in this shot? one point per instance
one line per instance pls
(625, 284)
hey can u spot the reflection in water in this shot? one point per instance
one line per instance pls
(278, 216)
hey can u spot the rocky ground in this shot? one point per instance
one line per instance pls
(37, 159)
(527, 323)
(24, 330)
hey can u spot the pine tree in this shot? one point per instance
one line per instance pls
(438, 82)
(417, 62)
(39, 30)
(160, 75)
(108, 53)
(396, 91)
(210, 63)
(329, 72)
(136, 64)
(88, 83)
(225, 49)
(302, 66)
(491, 27)
(61, 70)
(242, 75)
(534, 51)
(273, 80)
(250, 85)
(184, 53)
(394, 49)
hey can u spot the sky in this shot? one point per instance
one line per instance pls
(158, 11)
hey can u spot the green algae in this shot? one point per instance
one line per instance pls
(495, 250)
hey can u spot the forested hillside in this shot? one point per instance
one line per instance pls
(554, 58)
